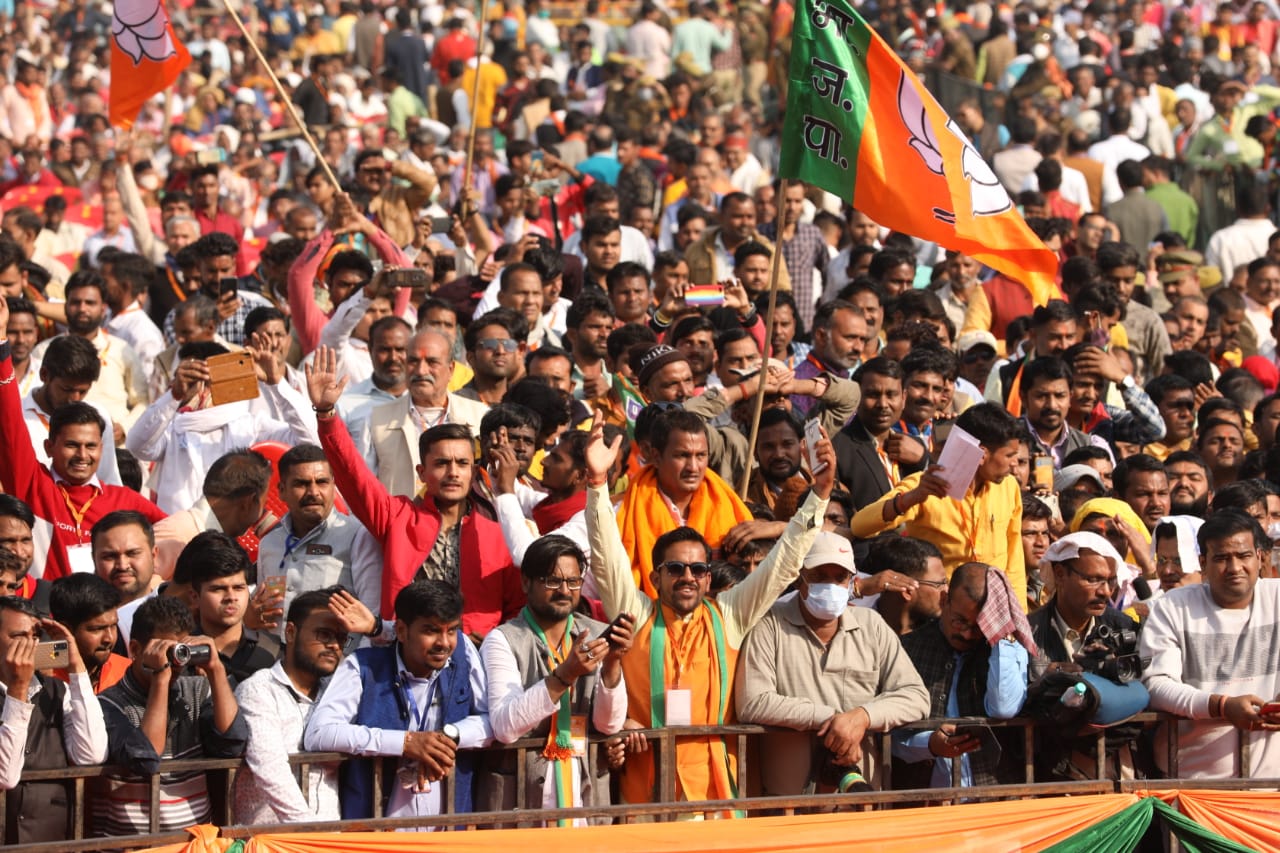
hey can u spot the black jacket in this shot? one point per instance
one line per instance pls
(858, 466)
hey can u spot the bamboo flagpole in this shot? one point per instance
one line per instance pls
(475, 97)
(288, 102)
(774, 271)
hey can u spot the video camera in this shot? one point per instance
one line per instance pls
(1113, 654)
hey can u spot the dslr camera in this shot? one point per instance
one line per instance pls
(1113, 654)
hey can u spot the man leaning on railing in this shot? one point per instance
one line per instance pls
(1214, 649)
(830, 671)
(44, 725)
(685, 640)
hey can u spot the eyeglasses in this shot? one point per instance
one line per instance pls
(1093, 583)
(934, 584)
(676, 569)
(1181, 405)
(572, 584)
(495, 344)
(325, 637)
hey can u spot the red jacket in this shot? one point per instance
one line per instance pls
(22, 476)
(407, 529)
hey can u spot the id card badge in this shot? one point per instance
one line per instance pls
(81, 558)
(578, 735)
(679, 708)
(1230, 147)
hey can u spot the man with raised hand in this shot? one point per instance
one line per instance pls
(684, 638)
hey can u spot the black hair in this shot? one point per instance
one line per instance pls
(553, 407)
(675, 420)
(302, 454)
(79, 597)
(349, 260)
(588, 302)
(674, 537)
(622, 339)
(212, 555)
(442, 432)
(1033, 507)
(134, 271)
(1241, 495)
(1049, 369)
(510, 271)
(880, 366)
(1082, 455)
(74, 414)
(904, 554)
(930, 359)
(130, 469)
(428, 599)
(308, 602)
(1054, 311)
(1136, 464)
(690, 325)
(1162, 385)
(72, 358)
(623, 271)
(215, 244)
(260, 316)
(1222, 525)
(598, 225)
(509, 416)
(1111, 255)
(514, 324)
(238, 474)
(162, 614)
(774, 416)
(541, 557)
(990, 424)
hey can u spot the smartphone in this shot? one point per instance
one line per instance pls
(813, 435)
(407, 277)
(545, 188)
(1270, 708)
(274, 584)
(232, 377)
(51, 655)
(1042, 476)
(441, 224)
(210, 156)
(704, 295)
(608, 631)
(537, 155)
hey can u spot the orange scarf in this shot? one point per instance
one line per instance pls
(705, 770)
(644, 516)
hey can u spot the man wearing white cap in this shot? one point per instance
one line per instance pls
(1086, 571)
(829, 671)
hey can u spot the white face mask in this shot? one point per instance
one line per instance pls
(1040, 52)
(827, 601)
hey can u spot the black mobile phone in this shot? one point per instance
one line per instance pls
(407, 277)
(607, 634)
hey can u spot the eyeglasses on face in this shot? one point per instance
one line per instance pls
(676, 569)
(325, 637)
(495, 344)
(1093, 583)
(572, 584)
(934, 584)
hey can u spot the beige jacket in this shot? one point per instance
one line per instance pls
(393, 436)
(397, 206)
(701, 258)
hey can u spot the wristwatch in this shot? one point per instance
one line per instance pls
(451, 732)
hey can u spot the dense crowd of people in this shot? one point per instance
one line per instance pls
(462, 448)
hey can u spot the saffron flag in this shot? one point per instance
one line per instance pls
(861, 125)
(146, 57)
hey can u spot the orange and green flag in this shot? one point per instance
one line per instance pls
(861, 125)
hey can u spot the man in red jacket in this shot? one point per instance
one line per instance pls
(67, 494)
(437, 536)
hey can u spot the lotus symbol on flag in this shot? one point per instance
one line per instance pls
(987, 196)
(141, 29)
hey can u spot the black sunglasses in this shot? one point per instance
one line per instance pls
(676, 569)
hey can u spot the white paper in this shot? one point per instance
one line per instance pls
(961, 456)
(679, 708)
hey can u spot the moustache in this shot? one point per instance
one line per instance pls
(312, 502)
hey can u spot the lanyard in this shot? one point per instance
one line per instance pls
(173, 283)
(290, 542)
(890, 467)
(658, 666)
(78, 513)
(419, 718)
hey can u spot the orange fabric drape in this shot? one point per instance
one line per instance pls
(644, 516)
(1251, 818)
(978, 827)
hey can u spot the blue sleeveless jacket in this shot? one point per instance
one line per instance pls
(382, 706)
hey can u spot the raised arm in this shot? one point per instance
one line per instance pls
(304, 314)
(18, 464)
(609, 563)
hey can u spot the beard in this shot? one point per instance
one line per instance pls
(1181, 506)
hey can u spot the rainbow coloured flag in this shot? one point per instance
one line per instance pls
(861, 125)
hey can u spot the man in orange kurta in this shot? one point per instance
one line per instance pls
(684, 638)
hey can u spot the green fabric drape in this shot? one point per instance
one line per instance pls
(1122, 832)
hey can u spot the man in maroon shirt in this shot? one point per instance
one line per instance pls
(204, 192)
(67, 494)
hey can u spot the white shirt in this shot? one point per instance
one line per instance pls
(1074, 188)
(121, 388)
(186, 444)
(84, 733)
(266, 791)
(135, 328)
(1111, 152)
(339, 550)
(515, 710)
(333, 726)
(635, 248)
(1239, 243)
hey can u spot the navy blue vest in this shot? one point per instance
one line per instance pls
(382, 706)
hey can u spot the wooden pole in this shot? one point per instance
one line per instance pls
(288, 102)
(774, 271)
(475, 96)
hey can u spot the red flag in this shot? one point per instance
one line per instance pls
(146, 56)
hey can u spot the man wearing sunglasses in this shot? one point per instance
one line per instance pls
(683, 638)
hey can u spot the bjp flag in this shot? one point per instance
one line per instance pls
(146, 57)
(861, 125)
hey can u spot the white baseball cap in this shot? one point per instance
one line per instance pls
(830, 549)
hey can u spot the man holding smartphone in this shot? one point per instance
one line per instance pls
(557, 674)
(44, 725)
